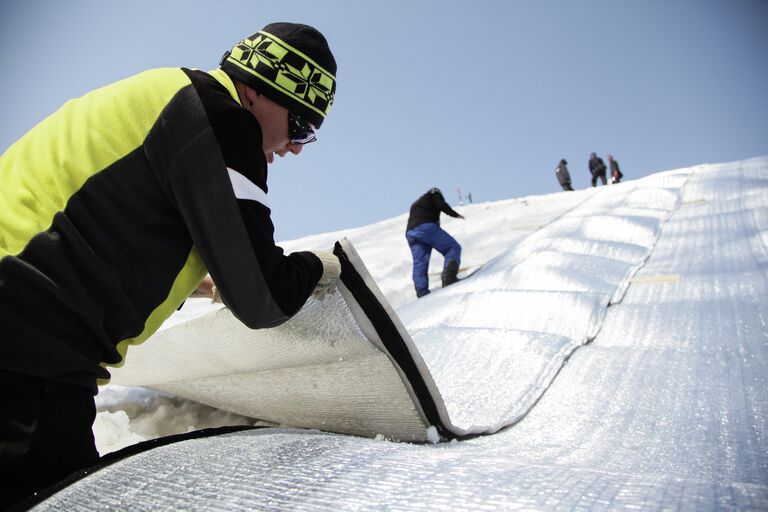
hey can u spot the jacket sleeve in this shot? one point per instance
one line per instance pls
(217, 180)
(438, 202)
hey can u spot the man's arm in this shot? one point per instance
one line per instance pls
(438, 201)
(207, 153)
(234, 236)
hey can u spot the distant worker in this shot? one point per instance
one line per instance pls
(616, 174)
(563, 176)
(597, 169)
(424, 234)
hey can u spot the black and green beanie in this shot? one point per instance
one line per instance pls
(289, 63)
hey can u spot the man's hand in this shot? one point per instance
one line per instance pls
(216, 296)
(205, 289)
(331, 274)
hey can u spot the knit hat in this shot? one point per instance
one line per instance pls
(289, 63)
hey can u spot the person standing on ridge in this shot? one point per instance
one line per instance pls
(597, 169)
(616, 174)
(563, 176)
(424, 233)
(116, 206)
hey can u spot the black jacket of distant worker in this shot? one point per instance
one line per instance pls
(616, 173)
(597, 169)
(563, 176)
(428, 207)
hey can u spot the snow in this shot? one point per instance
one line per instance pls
(130, 415)
(432, 435)
(665, 406)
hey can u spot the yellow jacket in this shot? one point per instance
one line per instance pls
(114, 208)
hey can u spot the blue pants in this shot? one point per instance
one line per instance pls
(422, 239)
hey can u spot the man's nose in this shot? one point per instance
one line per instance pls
(295, 148)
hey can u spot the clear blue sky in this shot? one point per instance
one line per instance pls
(482, 95)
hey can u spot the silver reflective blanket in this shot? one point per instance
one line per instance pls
(325, 368)
(625, 343)
(494, 341)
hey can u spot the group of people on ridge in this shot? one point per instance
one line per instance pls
(597, 170)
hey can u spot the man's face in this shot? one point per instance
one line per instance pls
(273, 119)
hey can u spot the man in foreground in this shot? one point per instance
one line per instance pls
(115, 207)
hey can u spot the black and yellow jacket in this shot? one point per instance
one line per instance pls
(113, 209)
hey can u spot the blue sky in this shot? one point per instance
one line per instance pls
(485, 96)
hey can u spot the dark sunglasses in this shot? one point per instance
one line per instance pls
(300, 131)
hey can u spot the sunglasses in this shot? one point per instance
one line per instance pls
(300, 131)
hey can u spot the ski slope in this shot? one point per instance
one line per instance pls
(631, 319)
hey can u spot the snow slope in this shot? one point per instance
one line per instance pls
(664, 408)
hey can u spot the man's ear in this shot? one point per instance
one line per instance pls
(250, 95)
(247, 95)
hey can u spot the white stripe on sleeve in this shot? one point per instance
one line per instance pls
(246, 189)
